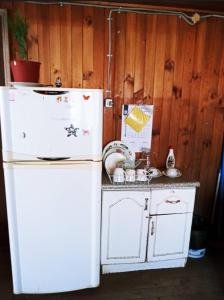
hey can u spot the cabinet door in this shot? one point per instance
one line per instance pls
(169, 236)
(125, 216)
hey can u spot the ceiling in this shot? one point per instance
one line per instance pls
(217, 5)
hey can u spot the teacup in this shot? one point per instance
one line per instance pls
(154, 172)
(142, 175)
(118, 175)
(130, 175)
(172, 172)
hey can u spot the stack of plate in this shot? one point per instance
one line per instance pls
(116, 152)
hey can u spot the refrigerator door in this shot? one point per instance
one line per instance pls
(51, 123)
(54, 225)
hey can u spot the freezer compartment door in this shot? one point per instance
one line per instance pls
(57, 123)
(54, 226)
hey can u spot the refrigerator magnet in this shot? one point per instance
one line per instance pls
(85, 97)
(85, 132)
(71, 130)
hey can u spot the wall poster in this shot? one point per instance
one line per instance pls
(136, 129)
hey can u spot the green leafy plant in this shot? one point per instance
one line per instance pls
(19, 29)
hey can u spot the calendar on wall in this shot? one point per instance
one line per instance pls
(136, 129)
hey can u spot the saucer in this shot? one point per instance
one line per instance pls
(175, 176)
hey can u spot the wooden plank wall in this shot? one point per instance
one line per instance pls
(157, 60)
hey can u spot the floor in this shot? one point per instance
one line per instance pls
(201, 279)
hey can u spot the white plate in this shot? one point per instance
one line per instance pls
(112, 160)
(159, 173)
(114, 144)
(118, 146)
(128, 154)
(178, 174)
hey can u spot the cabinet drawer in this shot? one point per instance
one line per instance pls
(168, 201)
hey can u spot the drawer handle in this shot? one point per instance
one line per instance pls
(146, 203)
(172, 202)
(153, 228)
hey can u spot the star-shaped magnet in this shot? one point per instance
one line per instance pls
(71, 130)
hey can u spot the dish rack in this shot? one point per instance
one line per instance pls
(133, 182)
(136, 182)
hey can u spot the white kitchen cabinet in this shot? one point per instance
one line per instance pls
(146, 229)
(169, 236)
(125, 216)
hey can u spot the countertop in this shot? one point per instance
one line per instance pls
(155, 183)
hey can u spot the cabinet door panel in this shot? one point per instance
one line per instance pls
(169, 236)
(124, 227)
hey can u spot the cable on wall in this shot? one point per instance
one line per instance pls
(186, 17)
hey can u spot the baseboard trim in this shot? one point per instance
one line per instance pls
(116, 268)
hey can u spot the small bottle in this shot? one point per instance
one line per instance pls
(170, 161)
(58, 82)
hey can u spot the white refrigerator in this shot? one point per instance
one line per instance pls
(52, 148)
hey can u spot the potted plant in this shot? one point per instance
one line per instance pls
(22, 69)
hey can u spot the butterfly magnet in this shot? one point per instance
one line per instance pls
(86, 97)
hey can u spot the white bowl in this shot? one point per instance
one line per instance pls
(174, 175)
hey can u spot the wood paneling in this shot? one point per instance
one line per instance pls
(32, 19)
(66, 45)
(77, 52)
(119, 57)
(55, 42)
(44, 44)
(109, 117)
(158, 60)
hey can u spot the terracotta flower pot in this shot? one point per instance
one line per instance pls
(25, 71)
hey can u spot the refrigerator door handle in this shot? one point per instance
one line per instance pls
(51, 93)
(53, 158)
